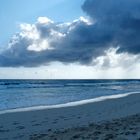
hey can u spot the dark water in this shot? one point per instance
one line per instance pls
(27, 93)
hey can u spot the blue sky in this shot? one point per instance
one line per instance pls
(14, 12)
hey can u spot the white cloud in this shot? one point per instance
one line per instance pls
(42, 36)
(44, 20)
(39, 45)
(29, 31)
(112, 59)
(32, 33)
(83, 19)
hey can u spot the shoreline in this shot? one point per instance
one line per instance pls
(28, 122)
(69, 104)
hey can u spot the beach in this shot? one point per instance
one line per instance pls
(109, 117)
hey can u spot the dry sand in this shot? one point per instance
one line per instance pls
(113, 117)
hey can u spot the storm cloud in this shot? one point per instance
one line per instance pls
(111, 24)
(120, 18)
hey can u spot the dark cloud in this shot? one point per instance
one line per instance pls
(121, 19)
(114, 24)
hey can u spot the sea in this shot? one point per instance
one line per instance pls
(31, 93)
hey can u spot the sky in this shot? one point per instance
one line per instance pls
(14, 12)
(70, 39)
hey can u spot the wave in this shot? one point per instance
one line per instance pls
(57, 85)
(69, 104)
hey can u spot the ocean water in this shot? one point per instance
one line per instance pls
(28, 93)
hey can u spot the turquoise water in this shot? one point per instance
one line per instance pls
(28, 93)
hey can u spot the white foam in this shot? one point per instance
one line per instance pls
(70, 104)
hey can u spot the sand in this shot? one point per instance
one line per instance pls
(127, 128)
(112, 117)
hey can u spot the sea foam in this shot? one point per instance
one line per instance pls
(70, 104)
